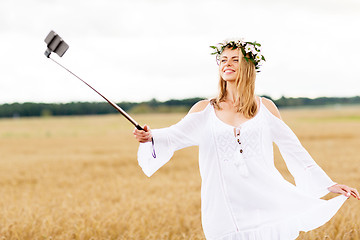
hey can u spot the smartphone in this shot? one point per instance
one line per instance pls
(55, 44)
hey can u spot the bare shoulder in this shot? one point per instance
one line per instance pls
(270, 105)
(199, 106)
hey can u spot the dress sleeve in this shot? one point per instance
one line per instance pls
(308, 176)
(183, 134)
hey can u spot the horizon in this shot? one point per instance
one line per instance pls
(179, 99)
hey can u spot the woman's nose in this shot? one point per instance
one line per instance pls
(228, 63)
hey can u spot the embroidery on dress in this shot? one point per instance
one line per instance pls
(250, 138)
(237, 145)
(226, 146)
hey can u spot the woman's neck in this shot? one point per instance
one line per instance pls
(231, 92)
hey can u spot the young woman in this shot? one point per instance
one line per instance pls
(243, 196)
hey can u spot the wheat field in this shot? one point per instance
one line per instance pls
(78, 178)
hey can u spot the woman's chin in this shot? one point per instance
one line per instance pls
(229, 79)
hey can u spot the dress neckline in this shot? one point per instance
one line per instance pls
(242, 124)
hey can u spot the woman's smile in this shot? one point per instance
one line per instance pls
(229, 71)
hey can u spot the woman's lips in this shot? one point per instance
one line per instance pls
(229, 71)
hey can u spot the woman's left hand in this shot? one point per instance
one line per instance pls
(345, 190)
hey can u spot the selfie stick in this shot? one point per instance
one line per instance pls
(57, 45)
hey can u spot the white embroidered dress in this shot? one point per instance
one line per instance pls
(243, 196)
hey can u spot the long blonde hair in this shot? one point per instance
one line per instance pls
(245, 85)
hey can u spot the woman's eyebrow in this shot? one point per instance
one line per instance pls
(231, 57)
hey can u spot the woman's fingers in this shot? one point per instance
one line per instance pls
(140, 133)
(143, 135)
(146, 128)
(142, 139)
(355, 193)
(345, 190)
(348, 191)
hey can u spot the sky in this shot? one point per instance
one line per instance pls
(137, 50)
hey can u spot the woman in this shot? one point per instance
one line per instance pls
(243, 196)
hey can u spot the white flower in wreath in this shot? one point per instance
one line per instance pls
(238, 44)
(255, 51)
(258, 57)
(250, 48)
(241, 41)
(227, 41)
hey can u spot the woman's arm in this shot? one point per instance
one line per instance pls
(307, 174)
(146, 136)
(165, 141)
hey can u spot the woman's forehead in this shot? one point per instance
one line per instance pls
(228, 52)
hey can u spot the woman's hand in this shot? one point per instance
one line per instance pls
(345, 190)
(143, 136)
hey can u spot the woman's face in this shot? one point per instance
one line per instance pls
(229, 64)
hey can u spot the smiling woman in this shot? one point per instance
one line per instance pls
(243, 195)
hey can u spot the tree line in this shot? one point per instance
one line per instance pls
(30, 109)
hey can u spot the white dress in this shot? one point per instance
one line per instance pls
(243, 196)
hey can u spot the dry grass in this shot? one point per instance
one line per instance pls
(78, 178)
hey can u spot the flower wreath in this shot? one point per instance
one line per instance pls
(250, 49)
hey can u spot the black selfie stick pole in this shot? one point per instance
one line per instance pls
(120, 110)
(57, 45)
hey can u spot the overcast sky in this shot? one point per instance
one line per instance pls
(137, 50)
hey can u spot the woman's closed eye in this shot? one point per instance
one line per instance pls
(225, 60)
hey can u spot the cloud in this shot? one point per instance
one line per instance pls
(138, 50)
